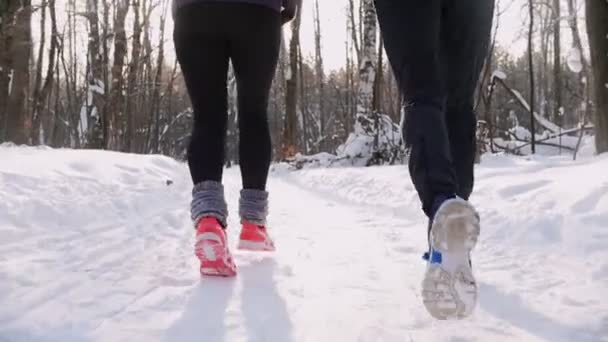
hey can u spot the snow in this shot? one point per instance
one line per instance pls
(521, 133)
(97, 87)
(96, 246)
(499, 74)
(83, 124)
(359, 146)
(574, 60)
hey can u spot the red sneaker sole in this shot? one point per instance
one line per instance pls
(214, 259)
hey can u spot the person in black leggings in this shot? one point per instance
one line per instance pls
(208, 35)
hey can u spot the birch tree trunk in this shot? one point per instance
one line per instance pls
(96, 107)
(367, 69)
(117, 99)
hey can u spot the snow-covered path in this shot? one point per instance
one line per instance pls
(95, 246)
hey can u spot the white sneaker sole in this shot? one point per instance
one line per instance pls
(449, 289)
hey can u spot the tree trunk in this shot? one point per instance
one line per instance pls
(379, 81)
(348, 88)
(35, 138)
(304, 113)
(41, 94)
(367, 69)
(105, 50)
(18, 121)
(531, 67)
(78, 127)
(117, 99)
(353, 28)
(585, 77)
(597, 29)
(557, 64)
(156, 100)
(132, 79)
(96, 108)
(291, 98)
(546, 19)
(145, 112)
(320, 77)
(7, 16)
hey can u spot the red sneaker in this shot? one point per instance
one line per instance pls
(255, 238)
(212, 249)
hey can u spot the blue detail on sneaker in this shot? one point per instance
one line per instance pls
(433, 257)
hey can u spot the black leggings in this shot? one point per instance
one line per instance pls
(207, 36)
(437, 49)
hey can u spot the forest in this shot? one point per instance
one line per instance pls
(100, 74)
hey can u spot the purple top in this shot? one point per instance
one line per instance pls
(274, 4)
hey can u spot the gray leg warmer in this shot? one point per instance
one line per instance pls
(208, 201)
(253, 206)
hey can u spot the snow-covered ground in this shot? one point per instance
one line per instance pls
(97, 246)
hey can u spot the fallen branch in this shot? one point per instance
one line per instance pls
(550, 126)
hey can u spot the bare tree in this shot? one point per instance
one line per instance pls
(320, 75)
(597, 29)
(96, 87)
(353, 28)
(117, 100)
(154, 135)
(367, 67)
(291, 98)
(38, 74)
(132, 78)
(585, 77)
(18, 123)
(7, 15)
(557, 62)
(42, 91)
(531, 67)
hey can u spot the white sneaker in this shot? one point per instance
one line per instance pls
(449, 289)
